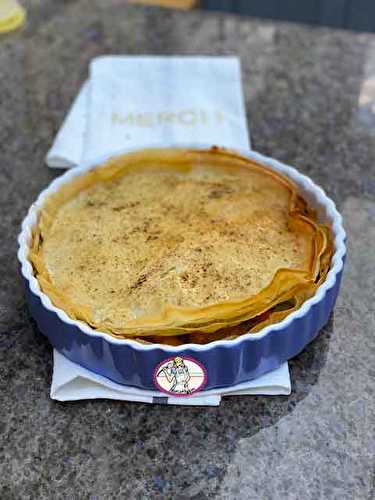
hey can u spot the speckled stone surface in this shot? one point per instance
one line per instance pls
(311, 100)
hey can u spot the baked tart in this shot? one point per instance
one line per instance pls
(179, 246)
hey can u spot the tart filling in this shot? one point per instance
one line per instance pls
(179, 246)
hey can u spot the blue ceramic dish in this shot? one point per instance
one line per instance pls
(226, 362)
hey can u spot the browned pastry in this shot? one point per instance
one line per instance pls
(190, 245)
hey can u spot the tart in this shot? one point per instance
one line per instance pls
(179, 246)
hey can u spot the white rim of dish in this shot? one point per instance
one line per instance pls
(317, 195)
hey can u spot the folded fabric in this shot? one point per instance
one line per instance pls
(71, 382)
(137, 101)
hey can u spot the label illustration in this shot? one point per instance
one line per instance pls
(180, 376)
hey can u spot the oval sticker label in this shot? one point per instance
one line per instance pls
(180, 376)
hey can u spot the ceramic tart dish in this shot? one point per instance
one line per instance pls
(182, 270)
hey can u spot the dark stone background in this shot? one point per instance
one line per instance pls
(310, 98)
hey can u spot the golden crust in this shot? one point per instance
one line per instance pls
(172, 242)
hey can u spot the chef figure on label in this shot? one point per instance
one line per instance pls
(177, 374)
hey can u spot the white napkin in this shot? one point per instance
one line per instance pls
(71, 382)
(140, 101)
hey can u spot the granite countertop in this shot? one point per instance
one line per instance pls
(310, 96)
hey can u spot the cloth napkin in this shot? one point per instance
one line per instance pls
(131, 101)
(71, 382)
